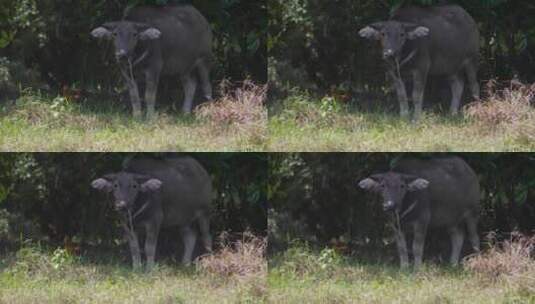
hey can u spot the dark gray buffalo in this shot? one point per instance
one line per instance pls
(442, 40)
(154, 41)
(436, 193)
(151, 193)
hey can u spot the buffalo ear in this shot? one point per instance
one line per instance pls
(101, 33)
(151, 185)
(372, 31)
(418, 184)
(102, 184)
(150, 34)
(369, 184)
(417, 32)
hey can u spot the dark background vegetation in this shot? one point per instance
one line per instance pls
(47, 43)
(315, 198)
(47, 197)
(314, 44)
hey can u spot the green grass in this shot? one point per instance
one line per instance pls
(302, 124)
(349, 281)
(38, 123)
(54, 277)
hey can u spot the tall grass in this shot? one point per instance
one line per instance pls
(510, 262)
(304, 275)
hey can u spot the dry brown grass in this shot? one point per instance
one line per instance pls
(510, 109)
(238, 259)
(242, 108)
(242, 261)
(510, 261)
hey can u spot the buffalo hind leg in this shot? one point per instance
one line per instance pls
(457, 87)
(204, 225)
(204, 75)
(471, 225)
(151, 88)
(190, 86)
(151, 240)
(189, 237)
(418, 243)
(457, 240)
(471, 74)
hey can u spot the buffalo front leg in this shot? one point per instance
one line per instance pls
(190, 86)
(457, 240)
(134, 98)
(401, 92)
(204, 225)
(151, 79)
(204, 75)
(402, 249)
(418, 89)
(457, 87)
(134, 248)
(189, 237)
(151, 240)
(418, 243)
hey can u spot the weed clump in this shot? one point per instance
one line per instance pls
(301, 261)
(36, 262)
(326, 112)
(39, 110)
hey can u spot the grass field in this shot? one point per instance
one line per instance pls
(302, 123)
(34, 275)
(40, 123)
(301, 276)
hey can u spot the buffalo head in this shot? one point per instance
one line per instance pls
(126, 187)
(393, 35)
(393, 187)
(125, 36)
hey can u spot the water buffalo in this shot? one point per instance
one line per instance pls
(436, 193)
(151, 193)
(441, 40)
(155, 41)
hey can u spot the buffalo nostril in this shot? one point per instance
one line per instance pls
(120, 54)
(388, 205)
(388, 53)
(120, 204)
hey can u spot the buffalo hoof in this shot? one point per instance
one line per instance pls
(151, 116)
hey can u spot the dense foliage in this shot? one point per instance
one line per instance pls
(48, 196)
(314, 44)
(52, 37)
(315, 196)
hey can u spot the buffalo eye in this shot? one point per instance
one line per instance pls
(403, 186)
(134, 186)
(115, 186)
